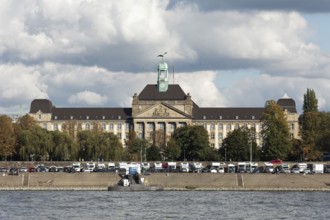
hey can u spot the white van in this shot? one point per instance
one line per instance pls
(302, 167)
(184, 167)
(90, 167)
(76, 167)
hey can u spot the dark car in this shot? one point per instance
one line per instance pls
(13, 171)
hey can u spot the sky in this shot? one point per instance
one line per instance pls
(225, 53)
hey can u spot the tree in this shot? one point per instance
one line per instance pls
(237, 145)
(7, 137)
(310, 101)
(153, 153)
(193, 141)
(275, 133)
(64, 148)
(172, 150)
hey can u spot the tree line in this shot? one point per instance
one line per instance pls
(25, 140)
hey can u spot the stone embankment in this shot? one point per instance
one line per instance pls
(171, 181)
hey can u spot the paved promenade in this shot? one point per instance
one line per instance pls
(171, 181)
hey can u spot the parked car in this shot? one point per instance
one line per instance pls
(13, 171)
(295, 170)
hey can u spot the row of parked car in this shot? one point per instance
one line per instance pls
(185, 167)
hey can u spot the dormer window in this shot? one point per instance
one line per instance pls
(236, 117)
(71, 117)
(55, 117)
(253, 117)
(103, 117)
(204, 117)
(119, 117)
(220, 117)
(87, 117)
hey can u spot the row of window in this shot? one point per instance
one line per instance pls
(236, 117)
(87, 117)
(103, 126)
(236, 125)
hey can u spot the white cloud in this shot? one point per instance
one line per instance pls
(99, 53)
(88, 97)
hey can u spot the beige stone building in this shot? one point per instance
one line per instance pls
(158, 110)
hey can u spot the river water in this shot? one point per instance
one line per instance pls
(95, 205)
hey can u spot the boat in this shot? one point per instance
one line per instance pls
(133, 183)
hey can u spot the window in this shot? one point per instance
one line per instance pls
(119, 126)
(292, 126)
(71, 117)
(228, 127)
(237, 117)
(172, 126)
(151, 126)
(212, 126)
(220, 117)
(111, 126)
(161, 126)
(253, 117)
(140, 126)
(119, 117)
(87, 117)
(141, 135)
(44, 125)
(55, 127)
(182, 124)
(204, 117)
(220, 136)
(55, 117)
(103, 117)
(103, 126)
(39, 117)
(119, 135)
(236, 126)
(204, 125)
(220, 126)
(88, 126)
(212, 136)
(127, 126)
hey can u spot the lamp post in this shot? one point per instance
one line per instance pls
(141, 152)
(251, 151)
(225, 154)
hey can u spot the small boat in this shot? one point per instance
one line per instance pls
(133, 183)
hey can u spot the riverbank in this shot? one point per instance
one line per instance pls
(170, 181)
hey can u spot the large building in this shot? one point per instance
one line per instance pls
(159, 108)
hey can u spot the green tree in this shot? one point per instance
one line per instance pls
(310, 101)
(86, 141)
(275, 133)
(153, 153)
(172, 150)
(193, 141)
(109, 147)
(237, 145)
(7, 137)
(63, 147)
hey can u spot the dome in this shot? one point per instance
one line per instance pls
(44, 105)
(287, 103)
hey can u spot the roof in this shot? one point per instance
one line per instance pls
(228, 113)
(287, 103)
(174, 92)
(91, 113)
(44, 105)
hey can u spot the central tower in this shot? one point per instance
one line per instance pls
(162, 81)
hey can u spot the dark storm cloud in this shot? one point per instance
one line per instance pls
(305, 6)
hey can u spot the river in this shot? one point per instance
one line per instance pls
(93, 205)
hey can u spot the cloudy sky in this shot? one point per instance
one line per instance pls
(225, 53)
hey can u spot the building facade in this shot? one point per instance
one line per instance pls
(158, 110)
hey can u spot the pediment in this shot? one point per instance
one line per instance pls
(162, 111)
